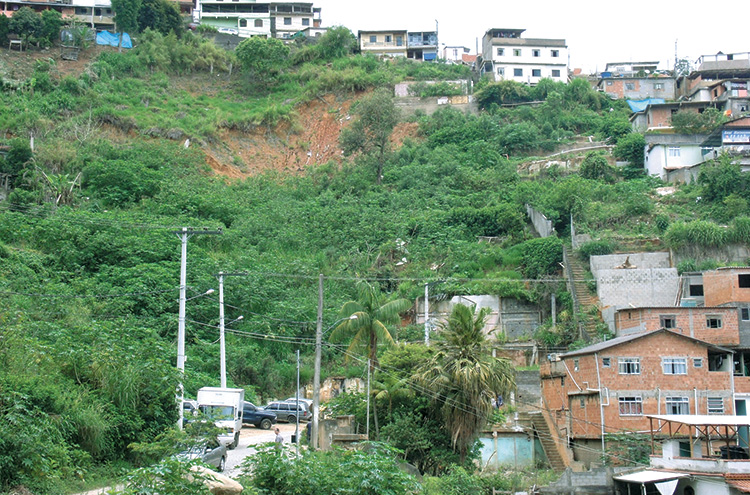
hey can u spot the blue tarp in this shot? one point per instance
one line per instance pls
(640, 105)
(107, 38)
(430, 56)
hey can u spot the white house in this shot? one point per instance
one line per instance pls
(508, 56)
(249, 18)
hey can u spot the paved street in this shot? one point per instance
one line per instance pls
(252, 436)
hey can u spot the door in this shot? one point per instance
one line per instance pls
(740, 409)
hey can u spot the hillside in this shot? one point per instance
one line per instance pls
(90, 264)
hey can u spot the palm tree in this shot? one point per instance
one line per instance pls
(373, 312)
(465, 377)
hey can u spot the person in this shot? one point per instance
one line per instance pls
(279, 439)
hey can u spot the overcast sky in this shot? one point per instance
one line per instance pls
(595, 32)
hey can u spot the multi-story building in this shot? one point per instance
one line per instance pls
(612, 386)
(506, 55)
(721, 79)
(422, 45)
(384, 43)
(637, 87)
(250, 18)
(95, 13)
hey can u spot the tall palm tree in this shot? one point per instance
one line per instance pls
(465, 377)
(373, 313)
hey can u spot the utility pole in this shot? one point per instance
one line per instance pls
(184, 235)
(427, 314)
(316, 375)
(367, 430)
(222, 340)
(296, 428)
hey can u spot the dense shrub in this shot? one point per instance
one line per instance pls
(595, 248)
(541, 257)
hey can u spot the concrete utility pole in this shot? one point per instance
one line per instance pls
(222, 339)
(316, 375)
(184, 234)
(427, 314)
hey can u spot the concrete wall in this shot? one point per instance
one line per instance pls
(640, 260)
(688, 321)
(636, 288)
(638, 88)
(595, 481)
(542, 225)
(409, 105)
(514, 449)
(528, 389)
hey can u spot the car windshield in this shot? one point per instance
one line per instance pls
(218, 413)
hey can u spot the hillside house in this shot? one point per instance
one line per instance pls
(631, 69)
(249, 18)
(717, 325)
(722, 79)
(506, 55)
(386, 43)
(422, 45)
(713, 461)
(95, 13)
(458, 55)
(675, 158)
(614, 385)
(732, 138)
(636, 87)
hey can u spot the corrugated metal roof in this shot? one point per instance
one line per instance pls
(649, 476)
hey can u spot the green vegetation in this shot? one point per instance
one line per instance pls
(89, 263)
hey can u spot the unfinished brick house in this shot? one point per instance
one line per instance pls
(611, 386)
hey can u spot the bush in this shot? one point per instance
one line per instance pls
(631, 149)
(596, 167)
(541, 257)
(697, 232)
(595, 248)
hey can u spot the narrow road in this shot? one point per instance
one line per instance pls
(252, 436)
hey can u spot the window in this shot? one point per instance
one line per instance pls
(259, 23)
(555, 73)
(744, 314)
(606, 362)
(555, 53)
(631, 406)
(715, 405)
(629, 366)
(674, 151)
(696, 290)
(713, 321)
(536, 72)
(373, 39)
(500, 52)
(500, 71)
(575, 365)
(243, 23)
(388, 38)
(743, 281)
(677, 405)
(516, 52)
(697, 362)
(518, 72)
(536, 53)
(668, 321)
(674, 366)
(658, 86)
(609, 83)
(305, 21)
(399, 41)
(629, 86)
(287, 21)
(583, 403)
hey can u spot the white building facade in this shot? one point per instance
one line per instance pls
(506, 55)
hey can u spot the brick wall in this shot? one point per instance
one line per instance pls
(573, 399)
(723, 287)
(692, 322)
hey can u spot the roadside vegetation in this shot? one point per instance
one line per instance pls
(89, 263)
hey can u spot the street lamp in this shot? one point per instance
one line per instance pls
(316, 377)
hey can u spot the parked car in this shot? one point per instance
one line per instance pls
(289, 411)
(308, 403)
(212, 452)
(252, 415)
(228, 30)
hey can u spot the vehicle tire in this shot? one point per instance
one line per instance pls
(222, 464)
(265, 424)
(291, 418)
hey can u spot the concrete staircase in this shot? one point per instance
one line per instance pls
(583, 297)
(547, 439)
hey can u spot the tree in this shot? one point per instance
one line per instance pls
(682, 67)
(688, 122)
(4, 28)
(26, 23)
(126, 15)
(51, 24)
(337, 42)
(721, 179)
(631, 148)
(596, 167)
(371, 132)
(373, 312)
(464, 377)
(262, 58)
(159, 15)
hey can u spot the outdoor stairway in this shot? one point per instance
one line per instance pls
(544, 434)
(583, 296)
